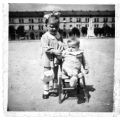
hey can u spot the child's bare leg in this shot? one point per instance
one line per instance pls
(46, 86)
(74, 78)
(73, 81)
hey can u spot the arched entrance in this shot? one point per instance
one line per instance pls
(32, 36)
(20, 32)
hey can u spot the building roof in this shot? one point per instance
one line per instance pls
(87, 13)
(26, 14)
(65, 14)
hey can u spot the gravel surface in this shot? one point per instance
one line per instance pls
(25, 86)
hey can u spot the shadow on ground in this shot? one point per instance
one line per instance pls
(80, 95)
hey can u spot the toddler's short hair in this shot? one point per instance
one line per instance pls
(75, 43)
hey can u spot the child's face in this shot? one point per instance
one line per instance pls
(53, 25)
(73, 45)
(74, 48)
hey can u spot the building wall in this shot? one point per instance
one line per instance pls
(32, 24)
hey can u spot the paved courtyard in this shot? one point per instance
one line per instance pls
(25, 86)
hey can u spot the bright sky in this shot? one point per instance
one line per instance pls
(41, 7)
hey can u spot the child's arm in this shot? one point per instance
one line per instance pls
(48, 49)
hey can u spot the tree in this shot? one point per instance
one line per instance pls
(74, 32)
(84, 31)
(106, 30)
(20, 31)
(98, 31)
(11, 32)
(112, 31)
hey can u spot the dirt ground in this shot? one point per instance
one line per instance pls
(25, 86)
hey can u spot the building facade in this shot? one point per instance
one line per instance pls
(29, 25)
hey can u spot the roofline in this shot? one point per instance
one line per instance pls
(41, 13)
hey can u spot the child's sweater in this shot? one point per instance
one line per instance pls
(50, 42)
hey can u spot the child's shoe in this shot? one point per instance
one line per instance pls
(45, 94)
(54, 91)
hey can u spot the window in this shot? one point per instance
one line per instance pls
(78, 26)
(94, 19)
(113, 19)
(105, 19)
(97, 19)
(31, 27)
(31, 20)
(40, 27)
(21, 20)
(96, 25)
(40, 20)
(70, 19)
(86, 19)
(11, 20)
(78, 20)
(64, 26)
(64, 18)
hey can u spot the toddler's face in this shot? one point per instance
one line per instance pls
(53, 25)
(73, 45)
(74, 48)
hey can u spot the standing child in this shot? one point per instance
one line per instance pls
(52, 46)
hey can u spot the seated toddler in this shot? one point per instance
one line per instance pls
(74, 60)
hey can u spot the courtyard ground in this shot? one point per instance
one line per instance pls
(25, 86)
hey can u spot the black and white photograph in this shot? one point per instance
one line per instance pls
(61, 57)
